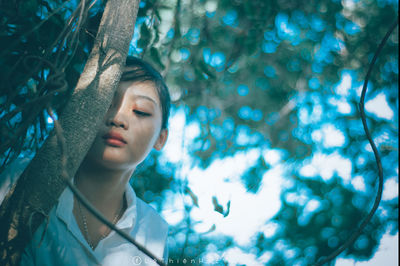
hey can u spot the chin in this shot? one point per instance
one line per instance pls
(113, 162)
(112, 158)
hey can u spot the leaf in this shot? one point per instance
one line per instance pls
(156, 57)
(193, 196)
(212, 229)
(206, 70)
(145, 36)
(217, 206)
(228, 208)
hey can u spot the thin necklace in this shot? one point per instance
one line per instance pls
(85, 226)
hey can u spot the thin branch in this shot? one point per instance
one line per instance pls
(35, 28)
(358, 232)
(57, 79)
(69, 38)
(176, 27)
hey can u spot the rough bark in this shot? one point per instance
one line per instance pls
(37, 190)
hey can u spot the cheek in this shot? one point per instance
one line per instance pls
(145, 140)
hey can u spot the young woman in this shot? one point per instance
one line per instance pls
(135, 123)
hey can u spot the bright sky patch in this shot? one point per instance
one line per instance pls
(379, 107)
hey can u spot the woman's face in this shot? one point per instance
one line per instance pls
(131, 128)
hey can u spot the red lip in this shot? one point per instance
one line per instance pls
(114, 138)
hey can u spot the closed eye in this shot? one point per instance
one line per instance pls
(140, 113)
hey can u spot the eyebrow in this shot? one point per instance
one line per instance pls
(146, 98)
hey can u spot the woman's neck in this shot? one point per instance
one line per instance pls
(103, 187)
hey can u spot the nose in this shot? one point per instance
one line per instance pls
(116, 118)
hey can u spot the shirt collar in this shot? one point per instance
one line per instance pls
(65, 214)
(128, 220)
(65, 206)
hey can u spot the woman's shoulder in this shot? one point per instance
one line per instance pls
(148, 214)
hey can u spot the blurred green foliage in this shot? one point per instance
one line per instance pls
(252, 74)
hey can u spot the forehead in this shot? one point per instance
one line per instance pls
(139, 89)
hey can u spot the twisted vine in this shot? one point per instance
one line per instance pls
(378, 197)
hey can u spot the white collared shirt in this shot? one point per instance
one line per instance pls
(64, 244)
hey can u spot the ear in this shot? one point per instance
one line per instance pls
(162, 139)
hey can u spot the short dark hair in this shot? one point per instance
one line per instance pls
(137, 69)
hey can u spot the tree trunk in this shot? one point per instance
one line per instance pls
(40, 185)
